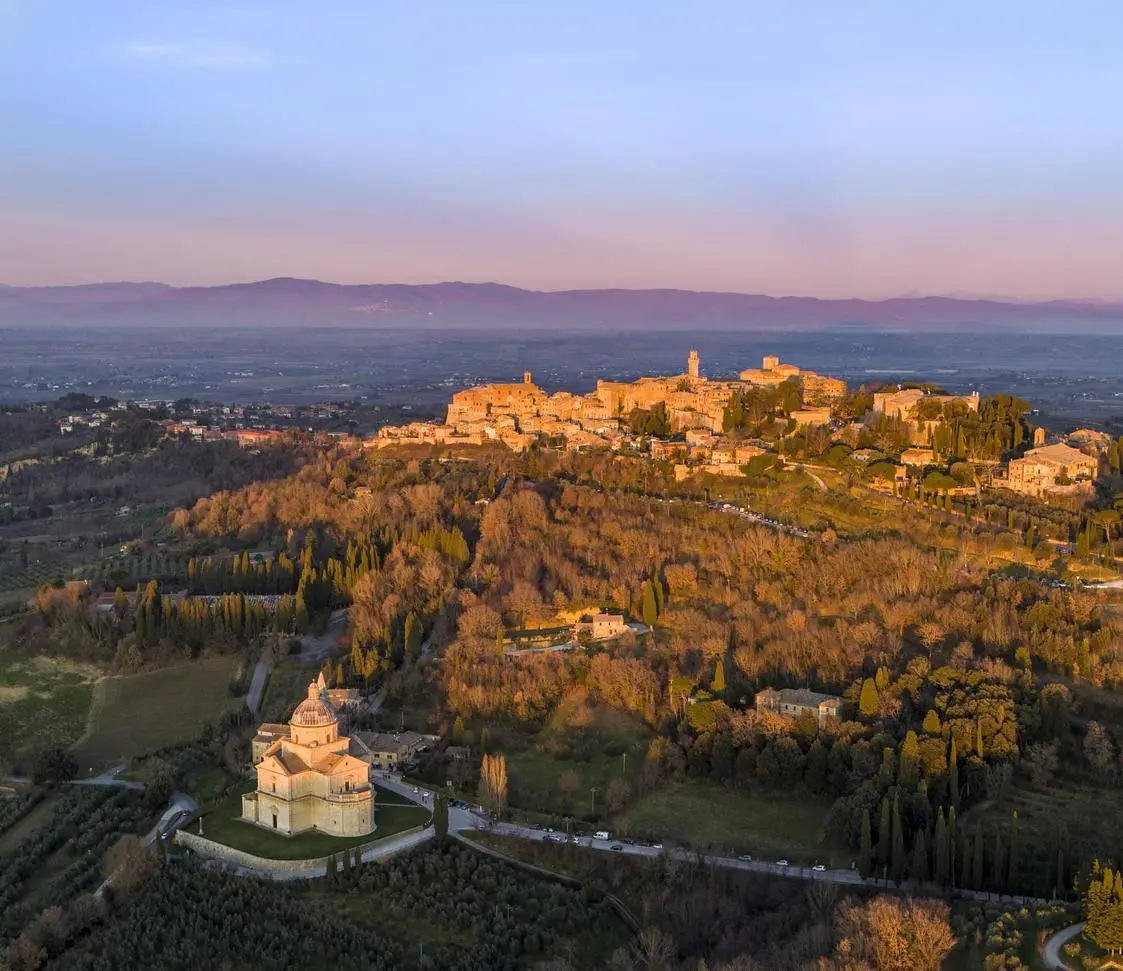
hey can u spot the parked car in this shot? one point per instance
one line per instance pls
(819, 868)
(657, 846)
(602, 834)
(782, 863)
(745, 858)
(617, 846)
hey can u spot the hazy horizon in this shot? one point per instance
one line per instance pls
(831, 152)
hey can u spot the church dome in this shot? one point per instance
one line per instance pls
(313, 712)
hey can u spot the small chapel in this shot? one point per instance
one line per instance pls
(308, 780)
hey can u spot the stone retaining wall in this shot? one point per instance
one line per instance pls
(211, 850)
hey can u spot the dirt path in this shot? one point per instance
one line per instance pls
(97, 702)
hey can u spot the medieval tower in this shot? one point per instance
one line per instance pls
(692, 364)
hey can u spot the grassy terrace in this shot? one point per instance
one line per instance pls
(223, 825)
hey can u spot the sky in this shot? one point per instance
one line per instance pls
(811, 147)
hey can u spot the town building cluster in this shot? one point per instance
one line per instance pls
(518, 414)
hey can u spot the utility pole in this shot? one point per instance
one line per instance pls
(593, 790)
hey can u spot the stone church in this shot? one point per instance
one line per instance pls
(308, 780)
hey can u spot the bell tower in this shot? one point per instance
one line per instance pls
(526, 377)
(692, 364)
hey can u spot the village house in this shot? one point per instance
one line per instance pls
(808, 417)
(794, 702)
(906, 403)
(389, 752)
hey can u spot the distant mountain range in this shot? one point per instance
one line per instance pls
(287, 302)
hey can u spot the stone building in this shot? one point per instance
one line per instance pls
(905, 403)
(794, 702)
(307, 779)
(1055, 468)
(817, 388)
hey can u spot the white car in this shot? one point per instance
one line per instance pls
(782, 863)
(819, 868)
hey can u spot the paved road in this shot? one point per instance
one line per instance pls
(819, 482)
(316, 648)
(257, 684)
(1052, 951)
(177, 814)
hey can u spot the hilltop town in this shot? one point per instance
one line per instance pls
(701, 425)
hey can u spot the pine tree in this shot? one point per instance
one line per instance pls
(868, 701)
(919, 870)
(865, 864)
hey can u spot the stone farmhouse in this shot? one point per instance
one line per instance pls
(602, 627)
(1055, 469)
(794, 702)
(308, 780)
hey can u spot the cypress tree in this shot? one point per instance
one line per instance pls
(919, 870)
(500, 648)
(1012, 872)
(998, 864)
(718, 684)
(943, 860)
(650, 610)
(657, 586)
(898, 854)
(884, 836)
(868, 701)
(953, 776)
(865, 866)
(965, 864)
(954, 844)
(977, 854)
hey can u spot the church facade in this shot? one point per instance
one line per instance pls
(308, 780)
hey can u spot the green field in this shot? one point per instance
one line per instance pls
(140, 713)
(596, 742)
(223, 825)
(43, 702)
(709, 817)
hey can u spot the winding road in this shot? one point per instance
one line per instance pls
(1052, 950)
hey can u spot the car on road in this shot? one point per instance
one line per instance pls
(782, 863)
(819, 868)
(745, 858)
(617, 847)
(657, 846)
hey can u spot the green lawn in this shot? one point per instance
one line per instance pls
(223, 825)
(144, 712)
(43, 702)
(705, 816)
